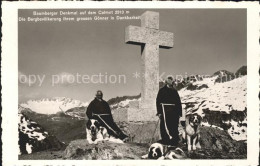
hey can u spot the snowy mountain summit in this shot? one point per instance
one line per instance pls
(53, 105)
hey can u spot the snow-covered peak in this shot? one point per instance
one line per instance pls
(223, 73)
(52, 105)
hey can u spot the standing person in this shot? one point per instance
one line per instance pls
(99, 109)
(169, 110)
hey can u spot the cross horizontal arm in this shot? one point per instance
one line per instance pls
(135, 35)
(141, 35)
(165, 39)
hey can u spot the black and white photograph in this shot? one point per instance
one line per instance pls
(133, 84)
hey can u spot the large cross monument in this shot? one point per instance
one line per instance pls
(150, 38)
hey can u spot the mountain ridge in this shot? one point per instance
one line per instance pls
(52, 105)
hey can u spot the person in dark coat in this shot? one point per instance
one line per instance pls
(99, 109)
(169, 110)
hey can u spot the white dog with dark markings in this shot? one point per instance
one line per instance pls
(160, 152)
(95, 132)
(192, 131)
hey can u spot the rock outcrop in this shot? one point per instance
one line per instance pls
(215, 143)
(81, 150)
(218, 144)
(241, 71)
(33, 137)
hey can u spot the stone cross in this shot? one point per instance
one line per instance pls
(151, 39)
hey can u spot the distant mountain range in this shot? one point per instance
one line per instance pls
(53, 105)
(220, 76)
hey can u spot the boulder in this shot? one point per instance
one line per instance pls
(218, 144)
(213, 138)
(81, 150)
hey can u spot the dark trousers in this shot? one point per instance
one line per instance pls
(113, 129)
(172, 122)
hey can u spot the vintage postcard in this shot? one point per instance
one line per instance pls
(128, 83)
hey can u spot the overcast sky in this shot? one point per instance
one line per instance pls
(206, 40)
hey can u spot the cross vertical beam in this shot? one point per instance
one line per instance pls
(151, 39)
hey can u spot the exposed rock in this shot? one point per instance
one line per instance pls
(81, 150)
(218, 144)
(196, 87)
(215, 143)
(43, 155)
(33, 137)
(65, 128)
(224, 76)
(212, 138)
(241, 71)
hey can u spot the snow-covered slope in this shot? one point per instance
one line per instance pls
(77, 112)
(123, 104)
(221, 104)
(33, 138)
(224, 97)
(53, 105)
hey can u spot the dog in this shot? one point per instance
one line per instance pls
(192, 131)
(95, 132)
(176, 153)
(160, 152)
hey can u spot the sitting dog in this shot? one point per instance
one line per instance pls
(160, 152)
(192, 131)
(95, 132)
